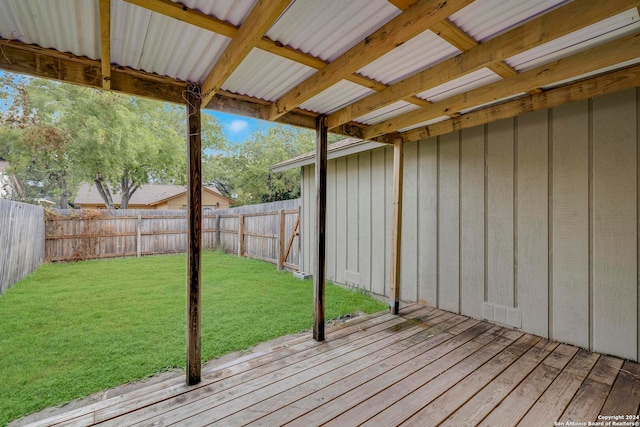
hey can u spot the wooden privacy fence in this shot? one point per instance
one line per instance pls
(21, 243)
(271, 235)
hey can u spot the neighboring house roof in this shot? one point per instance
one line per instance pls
(148, 194)
(341, 148)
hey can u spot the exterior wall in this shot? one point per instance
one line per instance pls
(530, 222)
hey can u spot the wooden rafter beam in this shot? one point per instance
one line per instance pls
(259, 20)
(591, 60)
(218, 26)
(105, 42)
(564, 20)
(458, 38)
(50, 64)
(36, 61)
(416, 19)
(595, 86)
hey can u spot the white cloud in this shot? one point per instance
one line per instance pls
(238, 126)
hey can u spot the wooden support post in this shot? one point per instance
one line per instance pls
(218, 232)
(240, 235)
(194, 234)
(396, 227)
(281, 231)
(321, 213)
(139, 236)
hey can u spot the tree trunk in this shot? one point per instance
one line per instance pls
(127, 188)
(104, 192)
(64, 194)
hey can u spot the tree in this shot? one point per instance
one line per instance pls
(34, 144)
(245, 169)
(63, 134)
(123, 142)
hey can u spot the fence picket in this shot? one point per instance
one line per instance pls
(21, 241)
(253, 231)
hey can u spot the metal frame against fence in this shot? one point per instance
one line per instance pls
(91, 234)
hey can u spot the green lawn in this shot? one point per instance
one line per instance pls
(69, 330)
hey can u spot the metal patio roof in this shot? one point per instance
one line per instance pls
(380, 69)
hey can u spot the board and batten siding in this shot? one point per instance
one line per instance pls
(531, 222)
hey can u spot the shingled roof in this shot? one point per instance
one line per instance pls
(148, 194)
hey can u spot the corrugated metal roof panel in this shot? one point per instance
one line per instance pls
(65, 25)
(155, 43)
(328, 28)
(427, 123)
(415, 55)
(609, 29)
(462, 84)
(484, 19)
(233, 11)
(594, 73)
(336, 97)
(266, 76)
(387, 112)
(497, 101)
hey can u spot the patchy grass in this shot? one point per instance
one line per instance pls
(69, 330)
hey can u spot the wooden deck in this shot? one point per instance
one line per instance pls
(426, 367)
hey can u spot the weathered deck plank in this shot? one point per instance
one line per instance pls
(426, 367)
(624, 398)
(590, 397)
(248, 380)
(439, 409)
(555, 399)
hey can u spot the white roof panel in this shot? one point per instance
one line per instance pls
(337, 96)
(484, 19)
(494, 102)
(594, 73)
(328, 28)
(427, 123)
(158, 44)
(415, 55)
(601, 32)
(266, 76)
(232, 11)
(387, 112)
(65, 25)
(462, 84)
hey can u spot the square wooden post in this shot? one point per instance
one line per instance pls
(218, 231)
(281, 236)
(240, 235)
(396, 227)
(321, 211)
(194, 234)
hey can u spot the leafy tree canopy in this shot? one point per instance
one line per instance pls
(57, 135)
(244, 169)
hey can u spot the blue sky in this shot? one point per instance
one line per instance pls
(238, 128)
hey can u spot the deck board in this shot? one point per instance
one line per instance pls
(426, 367)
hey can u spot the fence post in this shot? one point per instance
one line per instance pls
(217, 231)
(139, 237)
(281, 233)
(240, 235)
